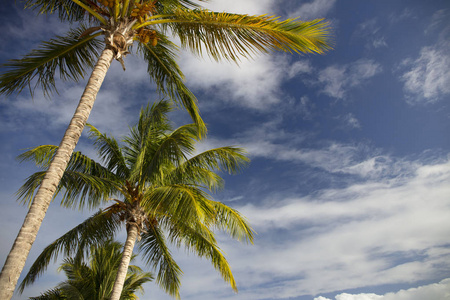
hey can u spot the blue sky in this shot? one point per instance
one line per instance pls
(348, 188)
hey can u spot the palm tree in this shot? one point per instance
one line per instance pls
(94, 280)
(159, 188)
(114, 26)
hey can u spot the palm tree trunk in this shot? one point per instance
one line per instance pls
(19, 252)
(132, 234)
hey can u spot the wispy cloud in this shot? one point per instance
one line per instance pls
(254, 83)
(349, 121)
(314, 9)
(337, 80)
(370, 32)
(426, 78)
(252, 7)
(433, 291)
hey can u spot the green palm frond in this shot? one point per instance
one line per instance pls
(52, 294)
(230, 36)
(67, 9)
(81, 190)
(167, 6)
(168, 77)
(156, 254)
(26, 191)
(77, 241)
(83, 179)
(198, 239)
(201, 169)
(133, 283)
(194, 175)
(69, 55)
(232, 222)
(148, 132)
(110, 152)
(180, 202)
(40, 155)
(171, 150)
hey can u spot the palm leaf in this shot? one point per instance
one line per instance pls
(231, 221)
(157, 254)
(67, 9)
(169, 79)
(83, 178)
(229, 36)
(198, 239)
(53, 294)
(69, 55)
(76, 241)
(40, 155)
(110, 152)
(180, 202)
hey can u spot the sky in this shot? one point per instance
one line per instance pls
(348, 187)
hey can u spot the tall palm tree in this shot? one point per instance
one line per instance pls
(114, 25)
(159, 188)
(94, 279)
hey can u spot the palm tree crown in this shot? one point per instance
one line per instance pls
(94, 279)
(159, 187)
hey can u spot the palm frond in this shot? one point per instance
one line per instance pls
(168, 6)
(84, 179)
(152, 124)
(230, 36)
(133, 283)
(40, 155)
(77, 241)
(156, 254)
(69, 55)
(180, 202)
(110, 152)
(232, 222)
(52, 294)
(26, 191)
(170, 150)
(169, 79)
(198, 239)
(81, 190)
(67, 9)
(194, 175)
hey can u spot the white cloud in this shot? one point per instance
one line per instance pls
(428, 77)
(251, 7)
(314, 9)
(299, 67)
(347, 238)
(435, 291)
(337, 80)
(371, 33)
(254, 83)
(350, 121)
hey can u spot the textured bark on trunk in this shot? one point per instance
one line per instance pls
(132, 233)
(17, 256)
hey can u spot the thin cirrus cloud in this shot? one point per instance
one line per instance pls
(314, 9)
(345, 238)
(337, 80)
(426, 77)
(370, 32)
(435, 291)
